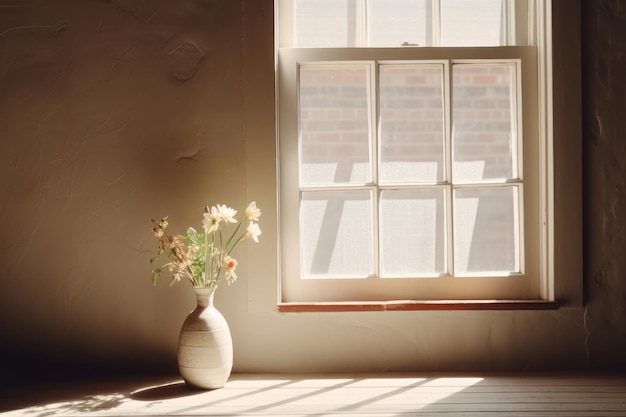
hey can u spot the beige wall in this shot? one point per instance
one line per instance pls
(115, 112)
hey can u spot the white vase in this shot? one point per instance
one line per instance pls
(205, 347)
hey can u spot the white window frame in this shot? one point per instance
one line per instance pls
(568, 289)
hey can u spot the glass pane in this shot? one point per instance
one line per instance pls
(411, 124)
(486, 230)
(412, 232)
(473, 22)
(484, 134)
(334, 122)
(336, 234)
(399, 22)
(327, 23)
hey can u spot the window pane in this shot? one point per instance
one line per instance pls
(412, 125)
(486, 230)
(339, 23)
(334, 120)
(473, 22)
(397, 22)
(484, 124)
(336, 234)
(327, 23)
(412, 232)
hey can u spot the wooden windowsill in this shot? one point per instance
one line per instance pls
(419, 305)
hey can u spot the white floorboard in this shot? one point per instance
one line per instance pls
(379, 395)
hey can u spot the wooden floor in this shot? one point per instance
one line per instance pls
(379, 395)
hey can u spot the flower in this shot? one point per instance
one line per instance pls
(230, 264)
(253, 231)
(252, 212)
(204, 258)
(159, 226)
(217, 214)
(227, 214)
(212, 219)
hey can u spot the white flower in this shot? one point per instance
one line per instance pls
(253, 231)
(212, 219)
(252, 212)
(227, 214)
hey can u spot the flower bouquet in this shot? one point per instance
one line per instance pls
(204, 257)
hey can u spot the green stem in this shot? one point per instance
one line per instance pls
(206, 257)
(237, 242)
(231, 238)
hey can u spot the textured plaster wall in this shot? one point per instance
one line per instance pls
(113, 112)
(604, 163)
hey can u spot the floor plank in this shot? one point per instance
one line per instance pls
(380, 395)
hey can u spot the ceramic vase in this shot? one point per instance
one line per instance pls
(205, 347)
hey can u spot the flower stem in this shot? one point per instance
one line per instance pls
(228, 251)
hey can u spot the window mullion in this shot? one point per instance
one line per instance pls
(436, 26)
(516, 107)
(448, 206)
(374, 130)
(363, 27)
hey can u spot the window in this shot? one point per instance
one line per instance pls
(409, 172)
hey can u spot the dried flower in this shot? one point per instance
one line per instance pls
(159, 227)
